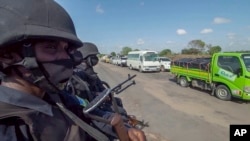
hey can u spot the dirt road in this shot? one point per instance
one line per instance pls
(175, 113)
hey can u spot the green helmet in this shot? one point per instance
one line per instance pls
(35, 19)
(88, 49)
(24, 21)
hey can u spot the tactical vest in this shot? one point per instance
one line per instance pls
(41, 127)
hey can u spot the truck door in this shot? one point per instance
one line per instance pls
(229, 71)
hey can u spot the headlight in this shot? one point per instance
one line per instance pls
(247, 89)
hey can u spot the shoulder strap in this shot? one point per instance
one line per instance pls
(86, 127)
(14, 111)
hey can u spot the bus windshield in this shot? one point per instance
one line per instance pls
(246, 59)
(150, 56)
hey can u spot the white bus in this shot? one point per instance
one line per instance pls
(143, 61)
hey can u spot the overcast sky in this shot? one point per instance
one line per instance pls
(161, 24)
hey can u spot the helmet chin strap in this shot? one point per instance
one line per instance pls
(37, 76)
(49, 75)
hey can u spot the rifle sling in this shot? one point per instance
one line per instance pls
(86, 127)
(90, 130)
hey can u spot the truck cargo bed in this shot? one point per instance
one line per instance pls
(197, 68)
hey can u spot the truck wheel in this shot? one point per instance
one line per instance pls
(223, 93)
(162, 68)
(183, 81)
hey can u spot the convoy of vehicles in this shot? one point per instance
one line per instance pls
(120, 61)
(106, 58)
(165, 63)
(226, 75)
(144, 61)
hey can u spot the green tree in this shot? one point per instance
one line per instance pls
(165, 52)
(190, 51)
(184, 51)
(197, 44)
(125, 50)
(113, 54)
(136, 50)
(214, 49)
(100, 55)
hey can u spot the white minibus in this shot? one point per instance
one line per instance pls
(143, 61)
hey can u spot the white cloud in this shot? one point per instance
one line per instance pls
(140, 42)
(181, 31)
(206, 30)
(170, 42)
(99, 9)
(220, 20)
(231, 43)
(231, 35)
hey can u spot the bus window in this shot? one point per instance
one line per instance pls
(150, 56)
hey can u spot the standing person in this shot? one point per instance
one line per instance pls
(36, 38)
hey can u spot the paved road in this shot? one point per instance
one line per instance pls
(175, 113)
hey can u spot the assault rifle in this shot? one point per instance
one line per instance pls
(116, 121)
(108, 92)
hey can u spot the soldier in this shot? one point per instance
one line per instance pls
(86, 85)
(36, 39)
(85, 70)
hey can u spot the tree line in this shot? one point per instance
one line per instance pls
(194, 47)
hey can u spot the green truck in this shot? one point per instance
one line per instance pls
(226, 75)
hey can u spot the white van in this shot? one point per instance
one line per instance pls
(165, 63)
(143, 61)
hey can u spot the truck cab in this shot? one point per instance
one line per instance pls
(233, 71)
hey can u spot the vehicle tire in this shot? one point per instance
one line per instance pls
(105, 84)
(162, 69)
(183, 81)
(140, 69)
(223, 93)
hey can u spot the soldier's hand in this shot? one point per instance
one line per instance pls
(136, 135)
